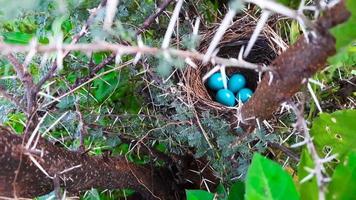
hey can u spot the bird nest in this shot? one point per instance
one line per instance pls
(237, 36)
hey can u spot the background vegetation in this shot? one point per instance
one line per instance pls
(130, 105)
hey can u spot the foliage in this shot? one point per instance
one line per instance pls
(335, 133)
(199, 194)
(131, 104)
(345, 35)
(268, 180)
(308, 189)
(345, 176)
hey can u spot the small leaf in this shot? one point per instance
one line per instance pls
(343, 183)
(266, 180)
(199, 195)
(308, 189)
(335, 132)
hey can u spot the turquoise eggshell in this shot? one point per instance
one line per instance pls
(244, 95)
(215, 82)
(236, 82)
(225, 97)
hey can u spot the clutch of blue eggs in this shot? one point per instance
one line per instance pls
(236, 89)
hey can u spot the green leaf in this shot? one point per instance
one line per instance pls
(220, 190)
(344, 33)
(266, 180)
(237, 191)
(343, 183)
(199, 195)
(17, 37)
(308, 190)
(16, 121)
(335, 132)
(105, 86)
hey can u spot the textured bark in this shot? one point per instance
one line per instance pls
(293, 67)
(94, 172)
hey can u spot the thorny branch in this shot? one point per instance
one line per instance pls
(147, 23)
(26, 78)
(125, 49)
(319, 170)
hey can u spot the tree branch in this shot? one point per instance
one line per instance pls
(293, 68)
(148, 22)
(77, 172)
(126, 49)
(27, 80)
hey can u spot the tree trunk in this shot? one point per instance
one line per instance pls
(87, 172)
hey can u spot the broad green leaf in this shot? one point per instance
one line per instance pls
(17, 37)
(21, 38)
(237, 191)
(335, 132)
(199, 195)
(343, 183)
(308, 190)
(344, 33)
(266, 180)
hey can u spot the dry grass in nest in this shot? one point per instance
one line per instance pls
(238, 35)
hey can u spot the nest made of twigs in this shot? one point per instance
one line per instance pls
(238, 35)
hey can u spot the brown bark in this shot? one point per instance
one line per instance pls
(94, 172)
(293, 68)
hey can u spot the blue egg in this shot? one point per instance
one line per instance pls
(225, 97)
(236, 82)
(244, 95)
(215, 82)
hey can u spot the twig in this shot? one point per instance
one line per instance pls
(111, 8)
(205, 134)
(26, 78)
(81, 128)
(172, 22)
(301, 124)
(152, 17)
(285, 150)
(126, 49)
(219, 34)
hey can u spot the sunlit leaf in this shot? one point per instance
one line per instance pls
(335, 132)
(343, 183)
(199, 195)
(308, 189)
(266, 180)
